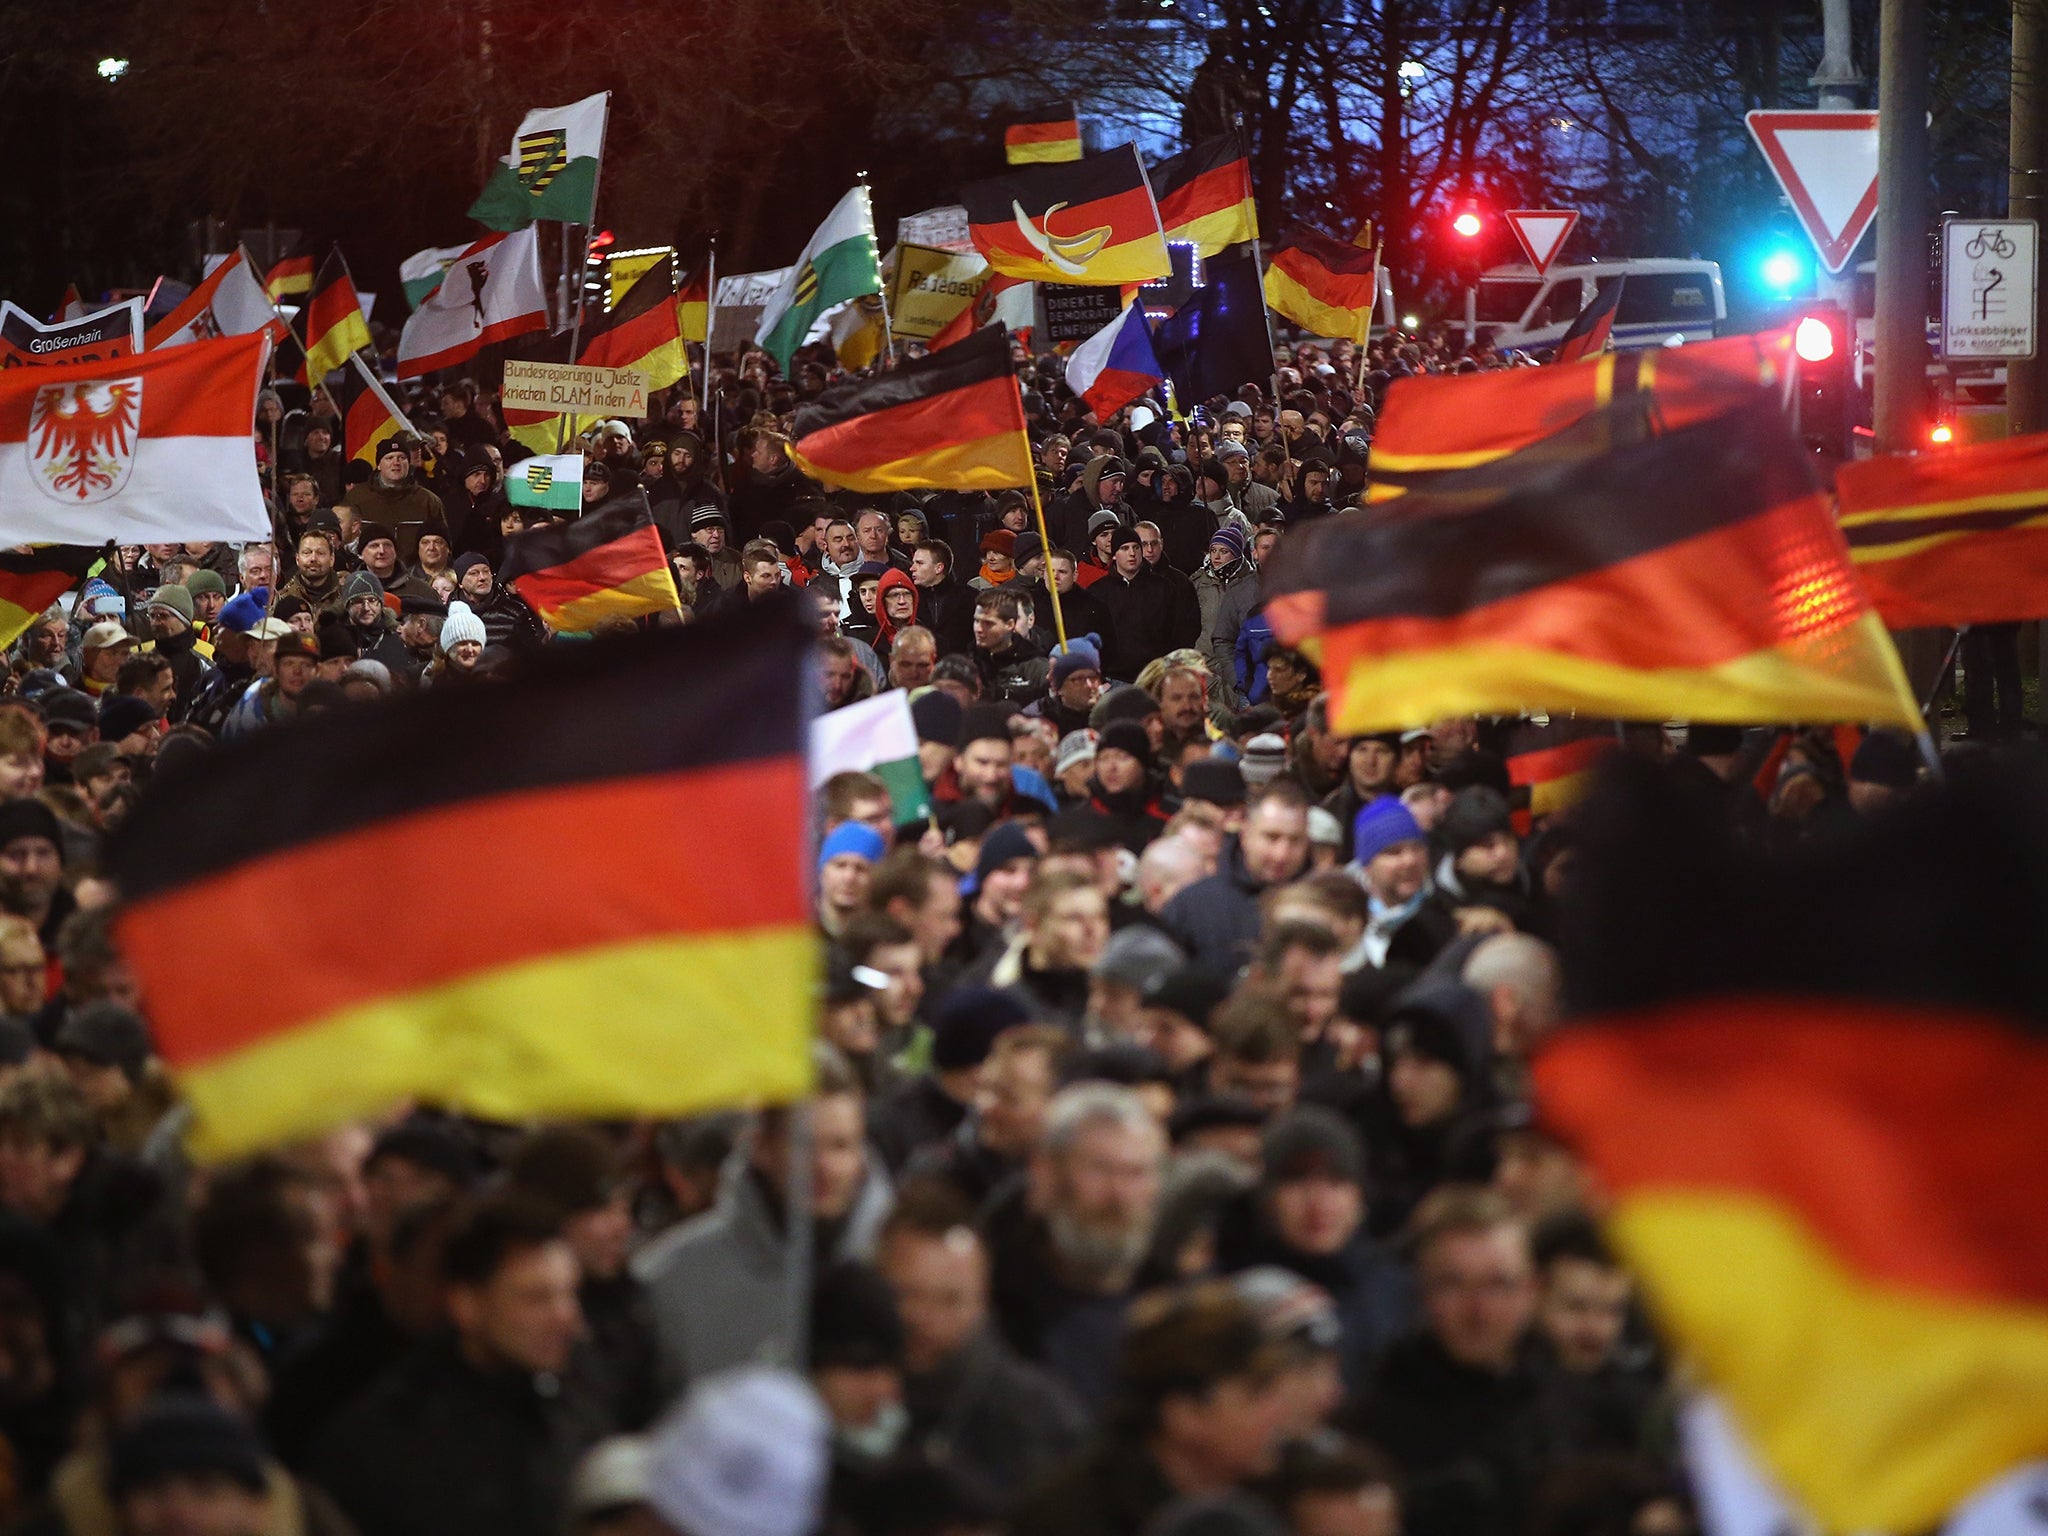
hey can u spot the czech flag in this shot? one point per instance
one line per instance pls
(1116, 365)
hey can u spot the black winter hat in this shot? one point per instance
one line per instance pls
(1887, 758)
(1193, 991)
(1311, 1142)
(854, 1321)
(1213, 779)
(1445, 1021)
(184, 1432)
(966, 1025)
(1126, 736)
(1123, 703)
(983, 722)
(106, 1035)
(29, 818)
(1474, 814)
(937, 716)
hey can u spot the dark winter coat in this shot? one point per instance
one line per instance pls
(1216, 920)
(997, 1418)
(1074, 1334)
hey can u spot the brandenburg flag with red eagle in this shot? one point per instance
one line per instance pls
(156, 448)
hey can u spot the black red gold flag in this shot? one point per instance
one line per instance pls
(600, 960)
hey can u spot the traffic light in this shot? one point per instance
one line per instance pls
(1820, 346)
(1467, 224)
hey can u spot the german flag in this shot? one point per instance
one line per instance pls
(368, 414)
(32, 579)
(951, 421)
(610, 566)
(1697, 574)
(1550, 766)
(335, 327)
(1205, 195)
(693, 302)
(1952, 538)
(1045, 135)
(596, 958)
(1323, 285)
(1091, 222)
(1440, 422)
(643, 330)
(1811, 1087)
(289, 278)
(1588, 334)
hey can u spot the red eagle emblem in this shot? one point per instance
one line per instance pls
(82, 437)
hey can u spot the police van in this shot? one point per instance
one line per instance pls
(1663, 302)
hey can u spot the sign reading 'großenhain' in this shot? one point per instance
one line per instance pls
(558, 387)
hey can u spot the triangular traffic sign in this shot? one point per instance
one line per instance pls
(1826, 162)
(1542, 232)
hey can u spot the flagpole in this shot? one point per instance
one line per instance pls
(589, 234)
(1052, 585)
(881, 283)
(1259, 271)
(710, 317)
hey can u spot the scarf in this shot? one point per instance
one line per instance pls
(996, 581)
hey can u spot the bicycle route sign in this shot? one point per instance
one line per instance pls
(1989, 289)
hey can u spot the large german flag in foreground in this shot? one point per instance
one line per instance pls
(335, 327)
(1447, 421)
(1044, 135)
(598, 960)
(1092, 221)
(643, 330)
(1696, 575)
(1959, 537)
(368, 414)
(1323, 285)
(1205, 195)
(32, 579)
(1813, 1091)
(610, 566)
(950, 421)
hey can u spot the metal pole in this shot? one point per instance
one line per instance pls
(710, 319)
(1839, 84)
(1902, 96)
(1471, 315)
(2026, 379)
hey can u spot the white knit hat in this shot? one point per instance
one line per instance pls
(745, 1455)
(460, 625)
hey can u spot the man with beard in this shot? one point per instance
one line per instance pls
(1183, 694)
(373, 625)
(319, 577)
(1067, 1239)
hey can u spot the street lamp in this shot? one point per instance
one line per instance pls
(112, 69)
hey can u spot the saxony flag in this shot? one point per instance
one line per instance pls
(546, 480)
(551, 171)
(421, 272)
(874, 736)
(839, 263)
(602, 962)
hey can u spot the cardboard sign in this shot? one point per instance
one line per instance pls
(99, 337)
(559, 387)
(931, 287)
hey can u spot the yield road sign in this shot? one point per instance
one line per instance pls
(1826, 162)
(1542, 232)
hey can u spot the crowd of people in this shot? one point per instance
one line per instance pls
(1171, 1163)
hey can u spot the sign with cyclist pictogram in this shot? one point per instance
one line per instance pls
(1988, 287)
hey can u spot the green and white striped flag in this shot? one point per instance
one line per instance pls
(552, 480)
(841, 262)
(421, 272)
(874, 736)
(551, 172)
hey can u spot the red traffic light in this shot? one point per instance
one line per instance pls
(1942, 435)
(1467, 224)
(1813, 339)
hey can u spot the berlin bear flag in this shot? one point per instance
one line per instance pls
(157, 448)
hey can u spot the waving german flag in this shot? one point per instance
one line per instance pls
(693, 302)
(1323, 285)
(1812, 1089)
(610, 566)
(368, 414)
(1695, 575)
(1045, 135)
(951, 421)
(1205, 195)
(1551, 766)
(594, 958)
(1444, 421)
(643, 330)
(32, 579)
(1959, 537)
(1092, 221)
(335, 326)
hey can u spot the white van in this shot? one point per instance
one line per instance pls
(1663, 302)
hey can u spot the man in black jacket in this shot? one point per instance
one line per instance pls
(477, 1436)
(1145, 622)
(945, 606)
(1460, 1405)
(974, 1403)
